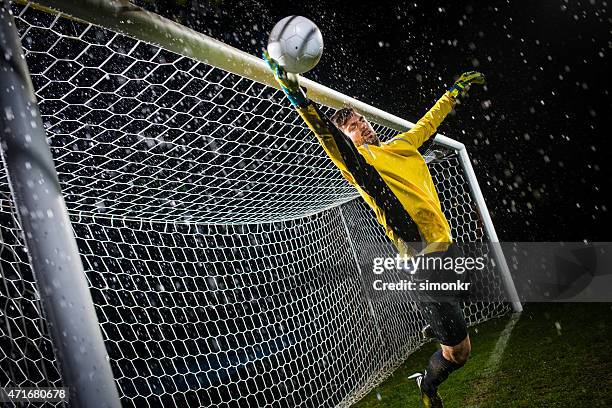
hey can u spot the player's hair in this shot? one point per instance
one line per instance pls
(341, 116)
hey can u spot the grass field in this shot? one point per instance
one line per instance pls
(555, 355)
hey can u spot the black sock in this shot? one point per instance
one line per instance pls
(438, 371)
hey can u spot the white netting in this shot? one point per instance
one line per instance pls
(213, 231)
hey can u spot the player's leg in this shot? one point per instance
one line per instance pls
(449, 328)
(459, 353)
(442, 363)
(447, 324)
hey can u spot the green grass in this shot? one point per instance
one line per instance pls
(558, 355)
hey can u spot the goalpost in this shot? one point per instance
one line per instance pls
(207, 244)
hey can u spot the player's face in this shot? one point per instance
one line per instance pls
(360, 130)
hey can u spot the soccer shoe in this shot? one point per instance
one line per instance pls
(434, 401)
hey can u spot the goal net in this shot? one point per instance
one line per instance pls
(221, 246)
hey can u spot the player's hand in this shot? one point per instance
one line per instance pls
(462, 85)
(288, 82)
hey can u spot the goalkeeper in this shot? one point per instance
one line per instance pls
(394, 180)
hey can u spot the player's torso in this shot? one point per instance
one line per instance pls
(408, 177)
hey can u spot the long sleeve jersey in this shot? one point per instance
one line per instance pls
(393, 177)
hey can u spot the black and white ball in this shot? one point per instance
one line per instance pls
(296, 44)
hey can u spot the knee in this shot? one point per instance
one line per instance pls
(458, 354)
(461, 356)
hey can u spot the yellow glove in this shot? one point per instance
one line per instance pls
(462, 85)
(288, 82)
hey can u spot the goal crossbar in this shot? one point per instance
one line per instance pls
(125, 18)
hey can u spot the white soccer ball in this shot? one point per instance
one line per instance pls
(296, 44)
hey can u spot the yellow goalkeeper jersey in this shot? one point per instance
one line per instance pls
(393, 177)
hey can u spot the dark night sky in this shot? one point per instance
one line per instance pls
(538, 134)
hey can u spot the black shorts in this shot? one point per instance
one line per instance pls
(446, 320)
(445, 317)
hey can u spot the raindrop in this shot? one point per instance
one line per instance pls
(8, 113)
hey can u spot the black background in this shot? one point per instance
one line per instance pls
(538, 133)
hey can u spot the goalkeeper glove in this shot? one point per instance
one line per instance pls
(461, 86)
(287, 81)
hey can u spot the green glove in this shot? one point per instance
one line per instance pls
(287, 81)
(461, 86)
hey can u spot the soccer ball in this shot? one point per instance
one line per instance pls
(296, 44)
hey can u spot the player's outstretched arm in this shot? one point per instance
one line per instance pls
(336, 144)
(429, 123)
(288, 82)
